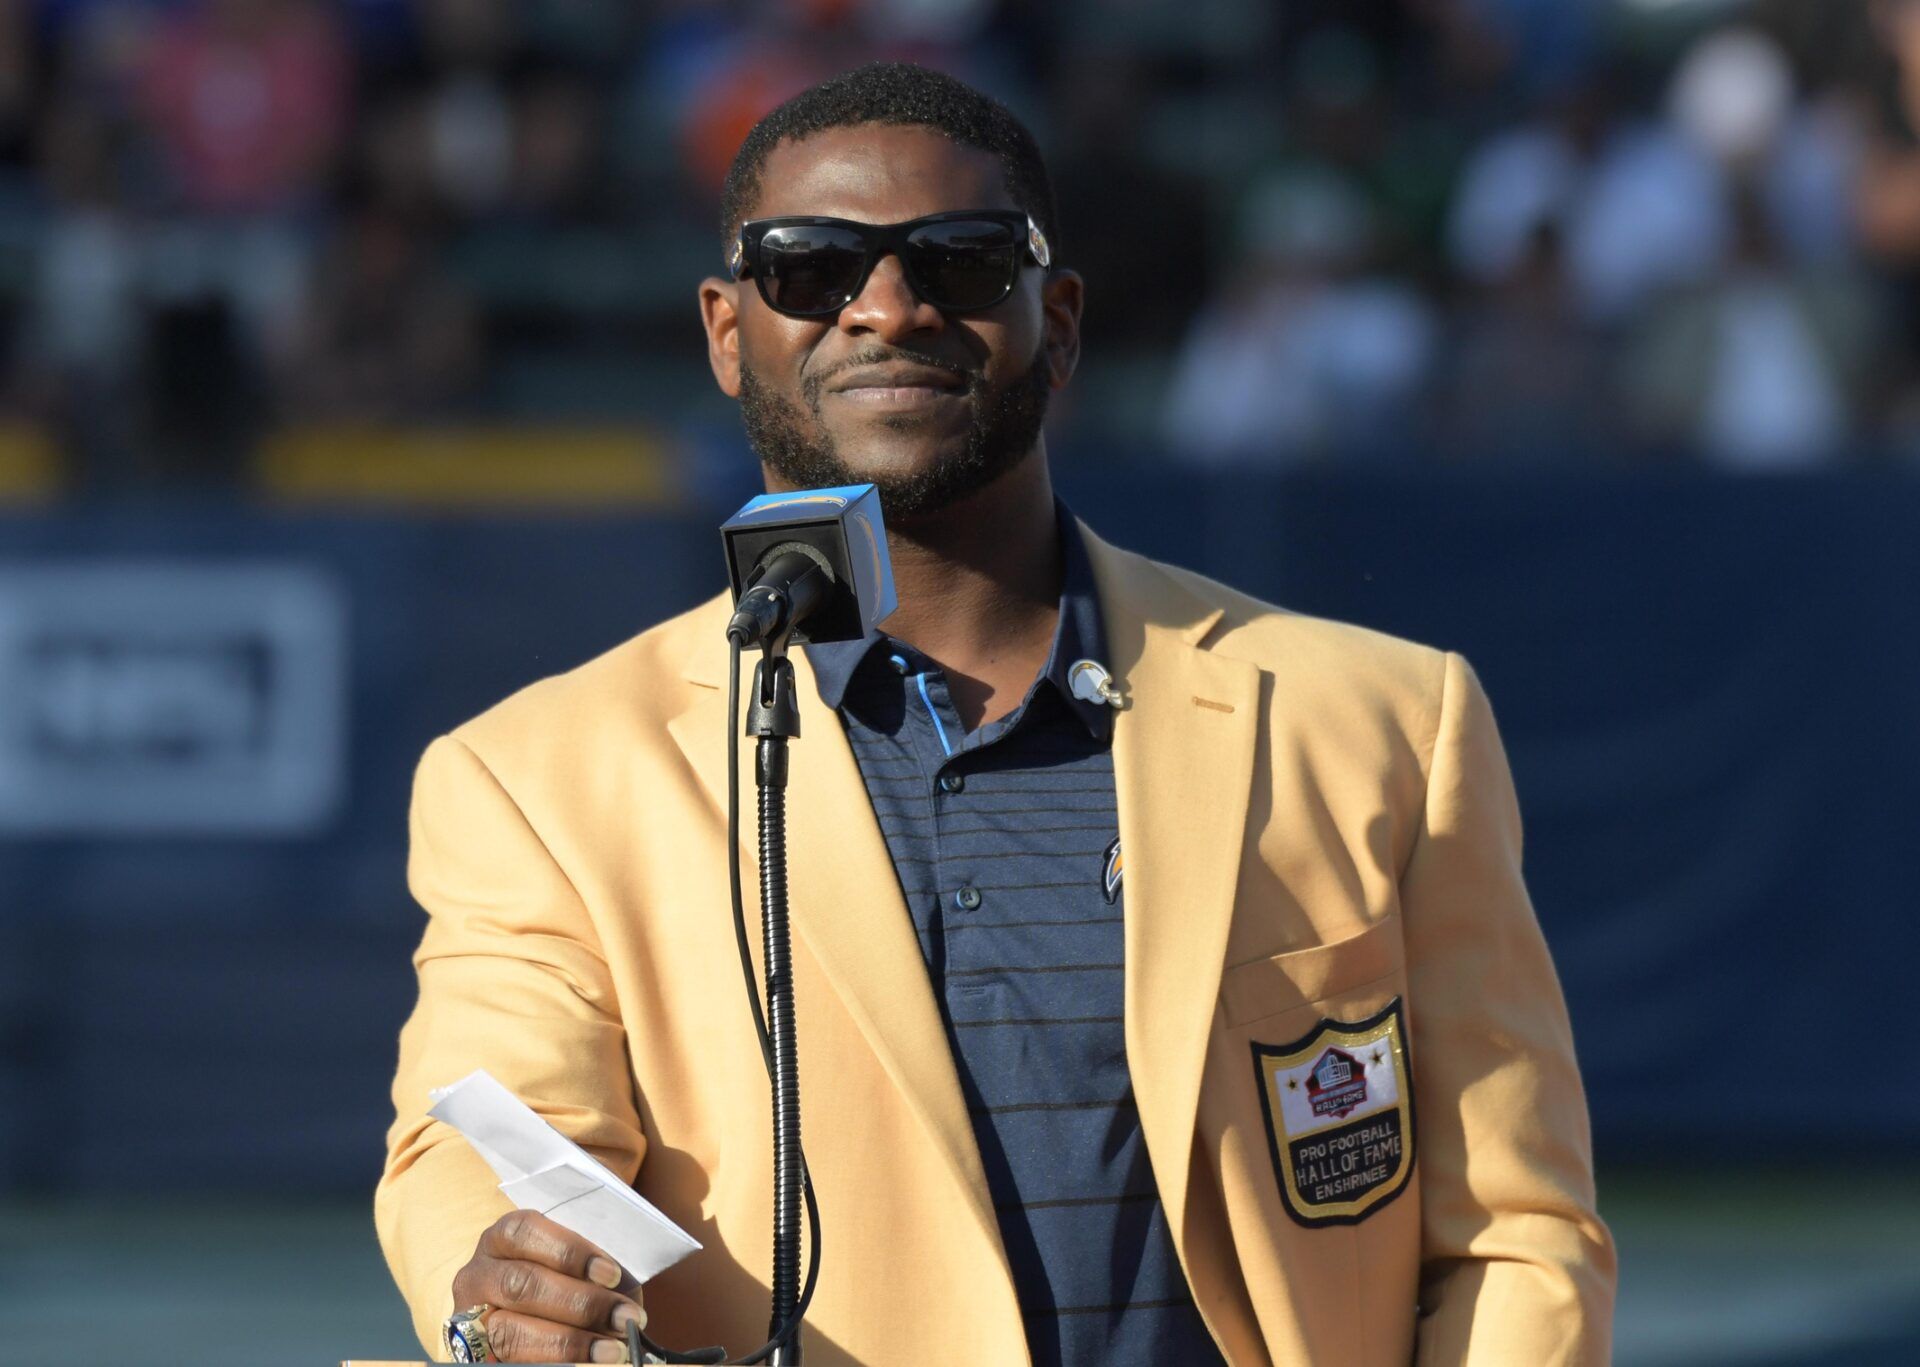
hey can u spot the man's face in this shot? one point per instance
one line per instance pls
(929, 406)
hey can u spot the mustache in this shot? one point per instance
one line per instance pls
(813, 386)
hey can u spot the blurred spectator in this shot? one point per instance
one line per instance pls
(744, 79)
(1889, 194)
(1735, 98)
(389, 336)
(18, 90)
(1650, 217)
(1130, 223)
(1551, 45)
(1521, 181)
(1886, 197)
(1303, 351)
(1523, 380)
(935, 24)
(473, 56)
(84, 286)
(553, 173)
(80, 340)
(1757, 368)
(247, 102)
(392, 162)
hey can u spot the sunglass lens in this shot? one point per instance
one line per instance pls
(963, 264)
(811, 269)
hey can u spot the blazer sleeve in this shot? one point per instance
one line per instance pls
(512, 979)
(1516, 1265)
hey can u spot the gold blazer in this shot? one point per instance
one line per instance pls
(1323, 884)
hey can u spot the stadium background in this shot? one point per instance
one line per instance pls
(351, 378)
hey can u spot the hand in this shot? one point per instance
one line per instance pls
(555, 1297)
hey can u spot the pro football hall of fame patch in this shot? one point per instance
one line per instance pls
(1339, 1109)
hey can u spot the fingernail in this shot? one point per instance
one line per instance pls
(606, 1350)
(627, 1311)
(604, 1271)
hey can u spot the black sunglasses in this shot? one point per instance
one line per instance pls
(960, 262)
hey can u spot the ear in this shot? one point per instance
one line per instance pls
(1061, 298)
(720, 314)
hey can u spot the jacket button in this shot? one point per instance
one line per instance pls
(952, 783)
(968, 898)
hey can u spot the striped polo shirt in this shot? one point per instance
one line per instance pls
(1006, 843)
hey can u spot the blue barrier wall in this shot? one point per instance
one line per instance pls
(1706, 689)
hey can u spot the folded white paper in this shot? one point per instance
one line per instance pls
(541, 1169)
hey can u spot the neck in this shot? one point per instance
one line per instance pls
(976, 576)
(979, 588)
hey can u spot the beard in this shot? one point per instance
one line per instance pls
(1006, 426)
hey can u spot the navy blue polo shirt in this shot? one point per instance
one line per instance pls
(1006, 843)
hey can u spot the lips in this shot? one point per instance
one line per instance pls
(897, 377)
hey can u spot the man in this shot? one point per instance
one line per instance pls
(1199, 1018)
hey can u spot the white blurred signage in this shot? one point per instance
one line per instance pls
(170, 698)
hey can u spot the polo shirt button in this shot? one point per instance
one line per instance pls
(968, 898)
(952, 783)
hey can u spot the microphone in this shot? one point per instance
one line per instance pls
(810, 565)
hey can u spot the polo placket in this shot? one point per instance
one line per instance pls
(1002, 839)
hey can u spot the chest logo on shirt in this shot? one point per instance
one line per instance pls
(1110, 875)
(1338, 1103)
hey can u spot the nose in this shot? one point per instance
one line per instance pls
(886, 308)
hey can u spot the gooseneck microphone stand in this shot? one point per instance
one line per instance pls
(774, 719)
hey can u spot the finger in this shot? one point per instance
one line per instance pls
(530, 1289)
(524, 1338)
(529, 1235)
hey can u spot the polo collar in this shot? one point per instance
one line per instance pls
(1079, 635)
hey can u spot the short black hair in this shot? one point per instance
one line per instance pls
(898, 93)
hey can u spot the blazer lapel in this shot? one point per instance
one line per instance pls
(1183, 757)
(845, 903)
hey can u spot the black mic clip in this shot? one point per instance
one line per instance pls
(791, 583)
(773, 710)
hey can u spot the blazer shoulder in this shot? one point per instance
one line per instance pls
(1318, 664)
(639, 684)
(1282, 638)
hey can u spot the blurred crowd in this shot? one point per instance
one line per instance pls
(1429, 231)
(1607, 232)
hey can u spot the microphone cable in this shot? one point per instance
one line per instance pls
(637, 1341)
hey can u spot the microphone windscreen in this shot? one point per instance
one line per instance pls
(843, 527)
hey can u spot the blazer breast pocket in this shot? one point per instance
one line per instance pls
(1285, 982)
